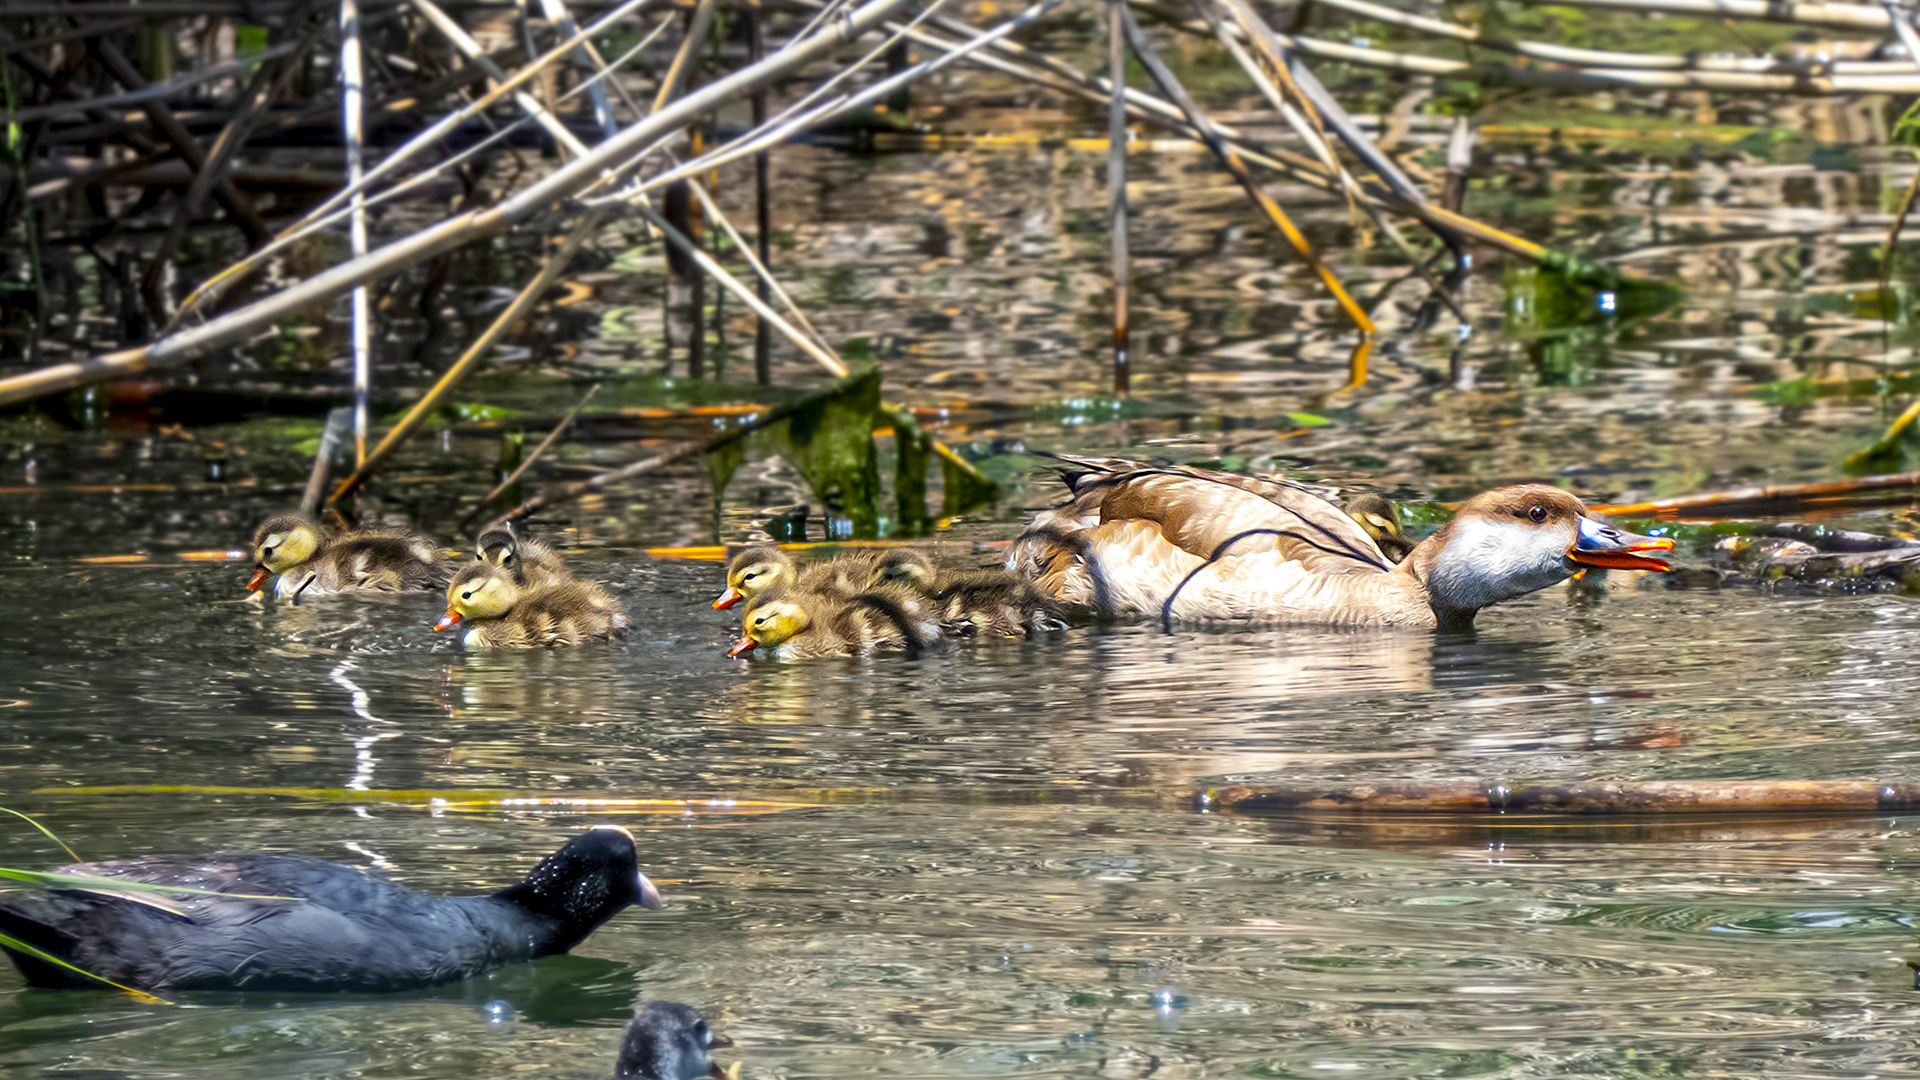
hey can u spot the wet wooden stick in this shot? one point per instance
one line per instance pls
(1573, 798)
(338, 421)
(1776, 498)
(1117, 188)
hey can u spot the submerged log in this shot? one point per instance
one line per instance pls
(1643, 797)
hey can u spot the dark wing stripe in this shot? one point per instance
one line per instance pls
(892, 612)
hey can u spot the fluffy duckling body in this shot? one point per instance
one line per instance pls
(993, 603)
(666, 1040)
(1185, 543)
(503, 613)
(789, 624)
(532, 563)
(996, 603)
(760, 568)
(309, 559)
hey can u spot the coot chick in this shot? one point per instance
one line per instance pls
(290, 923)
(668, 1041)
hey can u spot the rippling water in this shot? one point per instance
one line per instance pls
(952, 868)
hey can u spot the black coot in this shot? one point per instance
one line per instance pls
(668, 1041)
(342, 929)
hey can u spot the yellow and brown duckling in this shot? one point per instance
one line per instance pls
(502, 612)
(309, 559)
(756, 569)
(1381, 519)
(991, 603)
(790, 624)
(532, 563)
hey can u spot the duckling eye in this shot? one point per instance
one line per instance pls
(1537, 514)
(749, 575)
(701, 1033)
(468, 595)
(761, 621)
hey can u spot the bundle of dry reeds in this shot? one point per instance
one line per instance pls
(179, 111)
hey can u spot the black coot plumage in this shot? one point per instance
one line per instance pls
(668, 1041)
(337, 929)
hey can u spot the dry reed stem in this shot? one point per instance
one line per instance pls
(1117, 189)
(451, 233)
(1230, 159)
(732, 284)
(559, 429)
(477, 56)
(549, 273)
(352, 129)
(331, 211)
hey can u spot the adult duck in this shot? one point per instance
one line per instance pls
(1185, 543)
(289, 923)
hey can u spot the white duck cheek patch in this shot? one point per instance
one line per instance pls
(1486, 562)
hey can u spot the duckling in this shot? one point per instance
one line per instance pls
(1186, 543)
(668, 1041)
(789, 624)
(507, 614)
(1381, 519)
(531, 562)
(756, 569)
(905, 566)
(991, 602)
(995, 603)
(311, 559)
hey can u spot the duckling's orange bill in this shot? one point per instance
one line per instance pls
(743, 647)
(261, 575)
(1607, 548)
(729, 598)
(446, 620)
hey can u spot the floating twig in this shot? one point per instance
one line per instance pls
(1645, 797)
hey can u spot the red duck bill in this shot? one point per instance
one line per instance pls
(743, 647)
(1606, 548)
(446, 620)
(261, 575)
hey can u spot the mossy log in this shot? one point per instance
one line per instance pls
(1643, 797)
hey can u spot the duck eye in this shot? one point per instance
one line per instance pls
(701, 1033)
(468, 595)
(1537, 514)
(749, 575)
